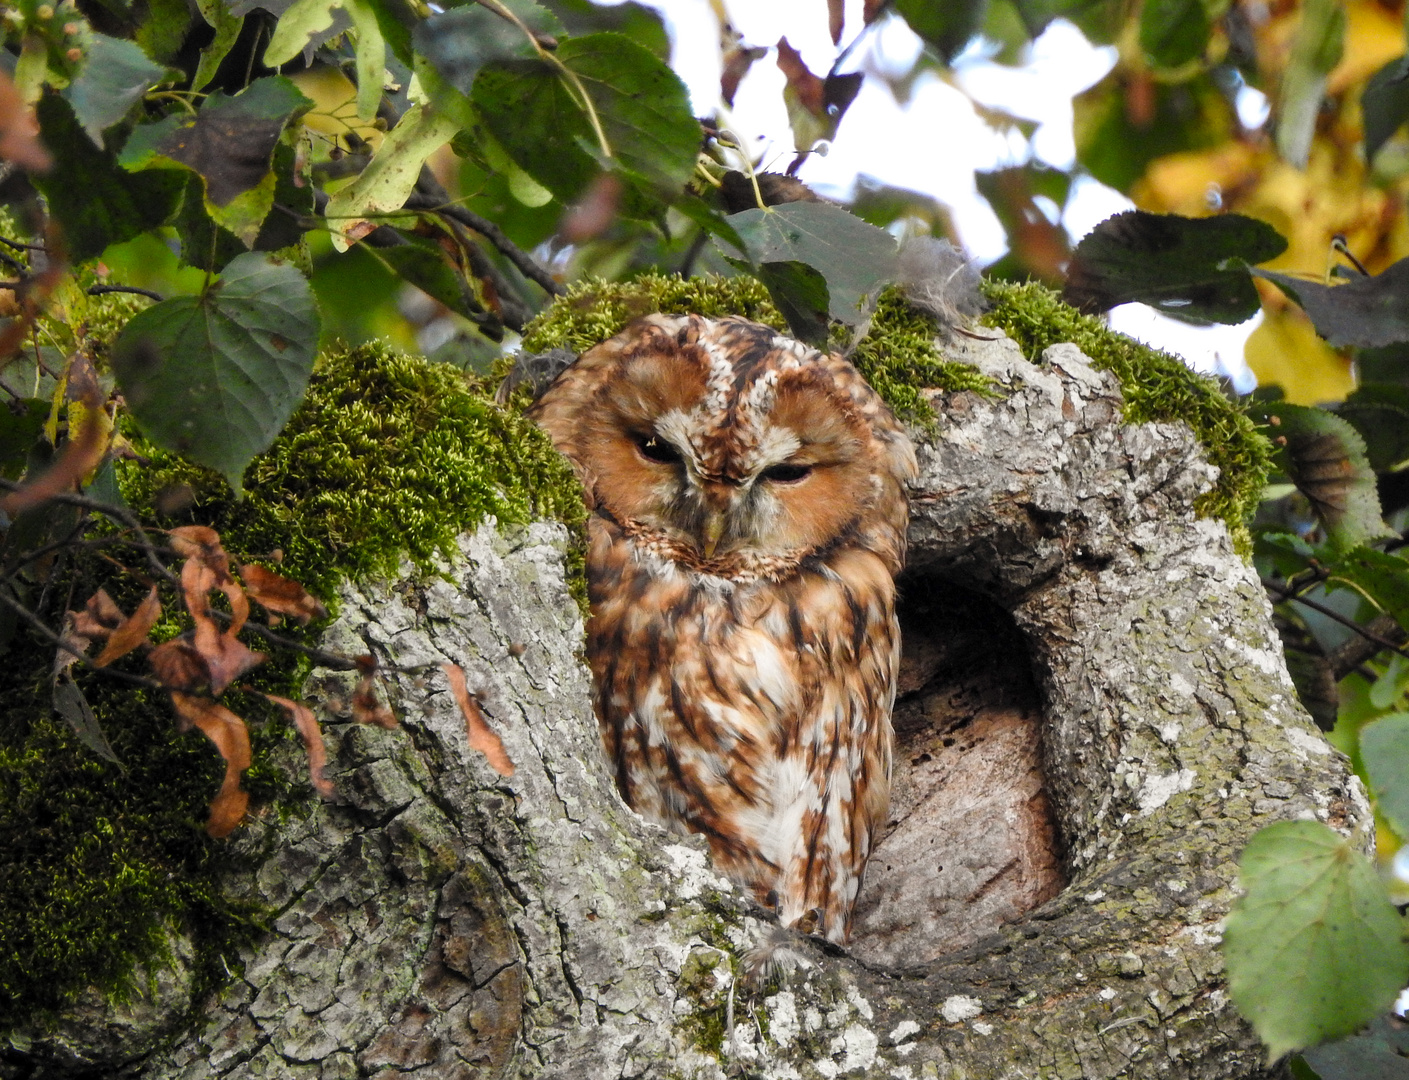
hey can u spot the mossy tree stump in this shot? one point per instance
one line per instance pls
(1095, 647)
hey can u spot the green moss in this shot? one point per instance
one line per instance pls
(593, 310)
(899, 359)
(388, 456)
(1157, 387)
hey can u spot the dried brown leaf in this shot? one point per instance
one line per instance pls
(281, 595)
(482, 736)
(207, 567)
(19, 130)
(99, 617)
(232, 738)
(312, 734)
(226, 657)
(178, 665)
(738, 59)
(836, 19)
(366, 709)
(79, 457)
(870, 9)
(133, 631)
(807, 86)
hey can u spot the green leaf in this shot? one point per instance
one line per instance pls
(1316, 49)
(1384, 747)
(643, 107)
(636, 21)
(1189, 268)
(95, 202)
(1382, 576)
(462, 40)
(1377, 1054)
(162, 33)
(711, 221)
(227, 27)
(801, 295)
(230, 144)
(386, 181)
(302, 22)
(422, 263)
(1314, 948)
(114, 76)
(1325, 458)
(1173, 32)
(1380, 412)
(20, 424)
(1116, 149)
(1385, 104)
(1369, 312)
(70, 703)
(947, 26)
(215, 377)
(855, 259)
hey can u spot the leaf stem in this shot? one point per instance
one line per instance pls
(584, 102)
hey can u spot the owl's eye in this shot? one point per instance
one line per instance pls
(786, 474)
(654, 448)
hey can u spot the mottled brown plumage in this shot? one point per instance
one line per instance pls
(748, 518)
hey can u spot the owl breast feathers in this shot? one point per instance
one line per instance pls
(748, 518)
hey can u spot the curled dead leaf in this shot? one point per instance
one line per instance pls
(79, 457)
(366, 709)
(133, 630)
(836, 19)
(232, 738)
(178, 665)
(738, 59)
(312, 735)
(482, 736)
(802, 82)
(99, 617)
(281, 595)
(19, 130)
(207, 567)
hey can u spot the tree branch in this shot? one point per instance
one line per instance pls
(437, 200)
(1330, 613)
(101, 290)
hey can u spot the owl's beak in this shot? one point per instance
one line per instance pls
(713, 530)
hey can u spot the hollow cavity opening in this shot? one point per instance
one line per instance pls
(971, 841)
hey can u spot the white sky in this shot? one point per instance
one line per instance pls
(936, 141)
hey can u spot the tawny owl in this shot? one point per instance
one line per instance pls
(748, 516)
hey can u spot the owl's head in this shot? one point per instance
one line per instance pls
(730, 441)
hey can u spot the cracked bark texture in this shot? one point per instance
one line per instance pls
(440, 920)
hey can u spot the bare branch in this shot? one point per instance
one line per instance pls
(1330, 613)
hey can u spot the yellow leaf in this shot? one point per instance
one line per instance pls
(334, 109)
(1285, 351)
(1373, 37)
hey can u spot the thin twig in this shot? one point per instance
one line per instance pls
(121, 514)
(100, 290)
(54, 639)
(1331, 613)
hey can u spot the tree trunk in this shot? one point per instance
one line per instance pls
(1094, 718)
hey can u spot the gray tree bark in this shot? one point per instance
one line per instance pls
(1095, 717)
